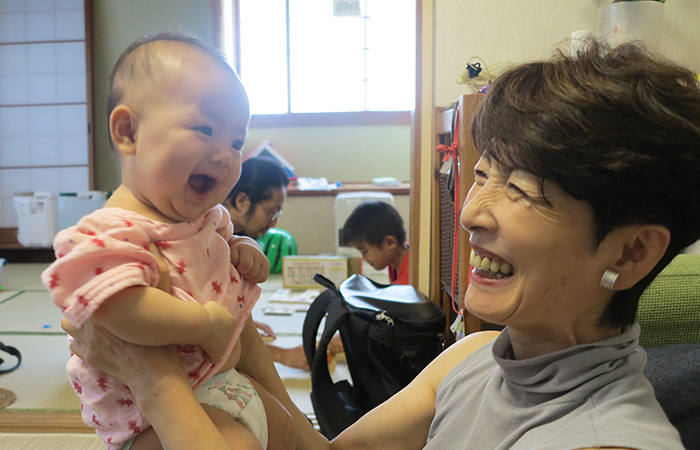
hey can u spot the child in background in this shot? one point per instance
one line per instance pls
(376, 230)
(178, 118)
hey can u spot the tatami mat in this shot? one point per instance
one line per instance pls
(41, 382)
(30, 312)
(50, 441)
(22, 276)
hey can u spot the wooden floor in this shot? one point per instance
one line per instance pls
(42, 422)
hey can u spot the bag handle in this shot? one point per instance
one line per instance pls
(325, 282)
(337, 314)
(314, 316)
(12, 351)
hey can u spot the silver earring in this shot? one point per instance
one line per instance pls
(609, 279)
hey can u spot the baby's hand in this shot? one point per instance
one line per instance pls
(249, 260)
(221, 327)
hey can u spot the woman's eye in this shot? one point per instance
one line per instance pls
(517, 190)
(205, 130)
(480, 177)
(237, 145)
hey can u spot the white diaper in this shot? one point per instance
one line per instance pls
(232, 392)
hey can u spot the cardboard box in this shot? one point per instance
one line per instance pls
(298, 271)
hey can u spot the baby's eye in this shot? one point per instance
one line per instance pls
(237, 145)
(205, 130)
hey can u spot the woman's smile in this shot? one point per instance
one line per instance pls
(489, 266)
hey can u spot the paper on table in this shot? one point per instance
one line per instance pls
(315, 184)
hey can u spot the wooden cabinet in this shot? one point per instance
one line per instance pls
(443, 211)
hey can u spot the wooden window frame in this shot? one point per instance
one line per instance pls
(291, 119)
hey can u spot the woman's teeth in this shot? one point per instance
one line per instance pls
(500, 269)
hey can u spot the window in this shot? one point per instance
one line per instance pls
(295, 56)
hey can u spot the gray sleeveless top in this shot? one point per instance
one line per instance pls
(590, 395)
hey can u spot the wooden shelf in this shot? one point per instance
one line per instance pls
(403, 189)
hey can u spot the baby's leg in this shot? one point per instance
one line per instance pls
(236, 434)
(281, 434)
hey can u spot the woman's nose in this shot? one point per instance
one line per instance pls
(477, 211)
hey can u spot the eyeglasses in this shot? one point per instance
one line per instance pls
(272, 215)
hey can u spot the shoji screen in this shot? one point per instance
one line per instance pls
(43, 100)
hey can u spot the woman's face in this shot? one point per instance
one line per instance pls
(552, 268)
(255, 220)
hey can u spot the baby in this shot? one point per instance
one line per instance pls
(178, 118)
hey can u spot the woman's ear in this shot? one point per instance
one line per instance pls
(122, 129)
(242, 202)
(643, 246)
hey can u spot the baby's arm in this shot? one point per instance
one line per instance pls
(248, 259)
(148, 316)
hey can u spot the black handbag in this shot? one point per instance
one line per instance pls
(12, 351)
(389, 334)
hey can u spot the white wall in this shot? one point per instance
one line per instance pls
(349, 154)
(517, 31)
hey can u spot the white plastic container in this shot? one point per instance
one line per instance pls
(73, 206)
(345, 204)
(37, 218)
(624, 21)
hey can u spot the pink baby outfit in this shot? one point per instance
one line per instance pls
(106, 252)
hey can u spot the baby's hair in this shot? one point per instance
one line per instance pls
(144, 61)
(371, 222)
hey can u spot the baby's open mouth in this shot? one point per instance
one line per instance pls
(201, 183)
(494, 268)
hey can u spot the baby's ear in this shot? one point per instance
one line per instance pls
(122, 129)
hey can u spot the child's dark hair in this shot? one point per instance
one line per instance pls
(371, 222)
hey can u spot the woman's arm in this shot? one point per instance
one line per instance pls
(256, 362)
(157, 381)
(403, 421)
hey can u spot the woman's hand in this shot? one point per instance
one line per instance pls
(135, 365)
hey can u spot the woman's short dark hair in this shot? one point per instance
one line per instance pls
(616, 127)
(259, 176)
(371, 222)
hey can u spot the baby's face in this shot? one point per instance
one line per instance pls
(189, 140)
